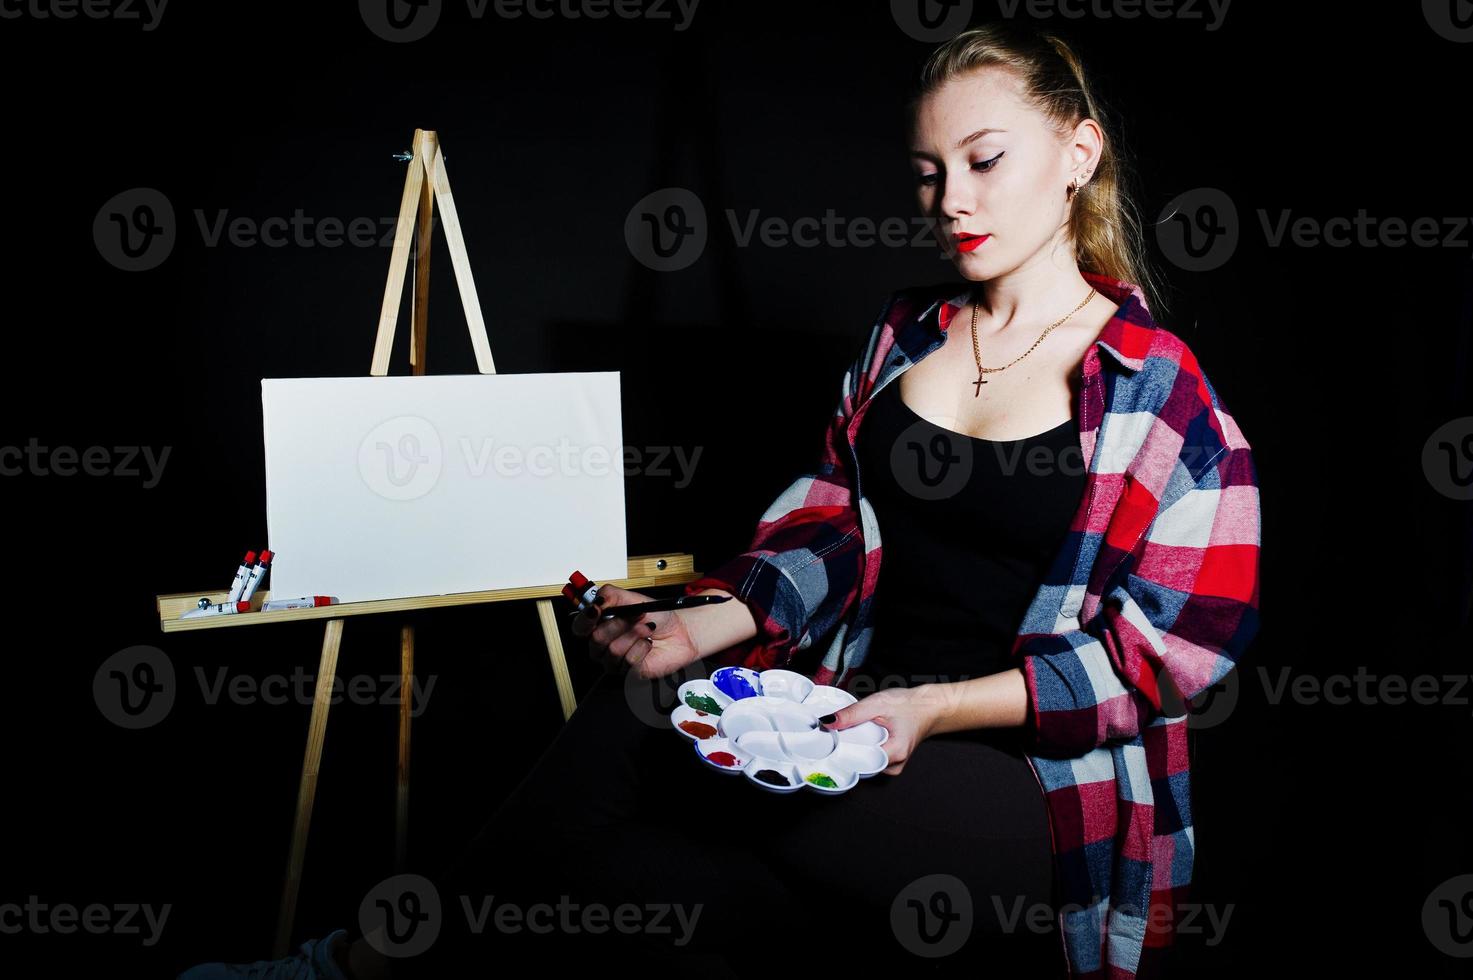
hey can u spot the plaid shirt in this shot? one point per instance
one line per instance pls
(1151, 600)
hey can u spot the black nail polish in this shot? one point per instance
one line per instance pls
(826, 720)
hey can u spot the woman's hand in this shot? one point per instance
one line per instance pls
(908, 713)
(651, 644)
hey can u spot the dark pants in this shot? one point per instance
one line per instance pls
(950, 856)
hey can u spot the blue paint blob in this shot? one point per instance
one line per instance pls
(735, 682)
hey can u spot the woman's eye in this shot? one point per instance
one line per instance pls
(983, 166)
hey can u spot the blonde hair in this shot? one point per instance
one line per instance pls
(1102, 222)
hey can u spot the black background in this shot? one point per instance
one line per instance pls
(1324, 826)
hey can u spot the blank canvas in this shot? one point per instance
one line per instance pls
(394, 487)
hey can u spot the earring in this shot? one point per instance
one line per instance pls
(1075, 184)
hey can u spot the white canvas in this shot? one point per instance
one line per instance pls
(393, 487)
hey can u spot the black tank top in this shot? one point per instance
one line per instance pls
(968, 528)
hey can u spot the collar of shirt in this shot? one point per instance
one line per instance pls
(1125, 338)
(1121, 345)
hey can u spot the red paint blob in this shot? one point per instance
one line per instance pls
(723, 758)
(698, 729)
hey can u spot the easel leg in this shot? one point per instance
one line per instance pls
(406, 690)
(556, 656)
(307, 791)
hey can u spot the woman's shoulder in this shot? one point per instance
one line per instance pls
(902, 308)
(1183, 398)
(921, 297)
(906, 304)
(1174, 367)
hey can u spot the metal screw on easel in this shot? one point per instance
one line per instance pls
(404, 156)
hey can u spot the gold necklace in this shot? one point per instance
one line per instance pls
(977, 385)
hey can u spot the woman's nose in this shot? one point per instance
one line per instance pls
(956, 204)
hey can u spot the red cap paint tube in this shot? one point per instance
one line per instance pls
(241, 574)
(301, 602)
(208, 608)
(581, 591)
(257, 573)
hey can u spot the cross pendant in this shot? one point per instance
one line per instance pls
(977, 385)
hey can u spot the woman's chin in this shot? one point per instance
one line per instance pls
(967, 261)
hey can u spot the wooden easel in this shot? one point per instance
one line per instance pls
(424, 186)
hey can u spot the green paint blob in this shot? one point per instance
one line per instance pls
(702, 702)
(819, 779)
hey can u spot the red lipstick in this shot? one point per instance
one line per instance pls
(966, 242)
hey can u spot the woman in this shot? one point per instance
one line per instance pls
(1071, 535)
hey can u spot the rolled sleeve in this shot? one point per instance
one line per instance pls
(775, 604)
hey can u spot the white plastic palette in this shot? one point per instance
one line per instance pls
(764, 725)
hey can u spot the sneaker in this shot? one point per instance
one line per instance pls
(313, 962)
